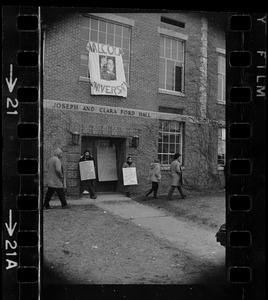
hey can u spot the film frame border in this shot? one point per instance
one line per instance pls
(246, 84)
(21, 154)
(244, 223)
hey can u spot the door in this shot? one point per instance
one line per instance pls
(109, 156)
(106, 165)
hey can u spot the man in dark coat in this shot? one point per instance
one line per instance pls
(88, 183)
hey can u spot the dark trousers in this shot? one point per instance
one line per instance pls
(153, 189)
(88, 184)
(172, 190)
(60, 193)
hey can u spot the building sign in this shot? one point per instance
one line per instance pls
(106, 70)
(87, 170)
(130, 176)
(107, 170)
(122, 111)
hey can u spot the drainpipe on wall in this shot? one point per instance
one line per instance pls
(203, 68)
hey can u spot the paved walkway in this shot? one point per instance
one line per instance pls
(184, 235)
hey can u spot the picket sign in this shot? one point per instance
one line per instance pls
(87, 170)
(130, 176)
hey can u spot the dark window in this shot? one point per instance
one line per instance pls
(172, 22)
(170, 110)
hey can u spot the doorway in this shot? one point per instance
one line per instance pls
(109, 156)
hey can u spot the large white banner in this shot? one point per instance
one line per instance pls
(107, 170)
(129, 176)
(87, 170)
(106, 70)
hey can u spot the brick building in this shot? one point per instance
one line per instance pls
(174, 68)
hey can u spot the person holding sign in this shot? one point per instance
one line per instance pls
(127, 180)
(55, 180)
(87, 174)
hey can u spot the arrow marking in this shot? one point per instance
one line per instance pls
(9, 226)
(10, 82)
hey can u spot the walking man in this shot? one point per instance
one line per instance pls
(154, 177)
(88, 183)
(55, 179)
(176, 174)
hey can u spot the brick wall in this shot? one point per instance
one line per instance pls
(61, 82)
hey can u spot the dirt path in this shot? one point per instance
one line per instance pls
(186, 236)
(115, 240)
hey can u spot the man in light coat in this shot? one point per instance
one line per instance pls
(55, 179)
(176, 174)
(154, 177)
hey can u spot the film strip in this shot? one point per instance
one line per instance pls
(245, 108)
(22, 136)
(20, 181)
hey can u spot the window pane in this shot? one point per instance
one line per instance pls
(178, 148)
(220, 86)
(94, 24)
(83, 46)
(168, 52)
(173, 126)
(110, 39)
(102, 37)
(117, 41)
(165, 126)
(118, 30)
(94, 36)
(180, 51)
(168, 43)
(125, 44)
(174, 51)
(165, 160)
(178, 138)
(126, 55)
(172, 148)
(83, 71)
(178, 127)
(165, 148)
(110, 28)
(102, 25)
(165, 137)
(126, 32)
(160, 148)
(172, 138)
(85, 22)
(178, 79)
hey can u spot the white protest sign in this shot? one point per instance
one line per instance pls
(130, 176)
(87, 170)
(106, 69)
(107, 170)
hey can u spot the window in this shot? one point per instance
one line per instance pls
(169, 140)
(171, 64)
(221, 146)
(221, 78)
(172, 22)
(103, 32)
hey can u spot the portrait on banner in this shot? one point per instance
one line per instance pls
(106, 70)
